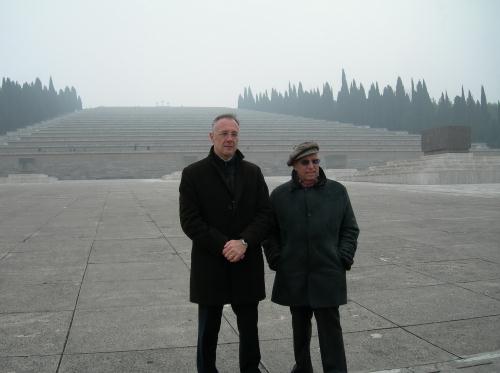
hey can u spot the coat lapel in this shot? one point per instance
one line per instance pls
(220, 175)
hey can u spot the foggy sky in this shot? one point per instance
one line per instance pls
(203, 53)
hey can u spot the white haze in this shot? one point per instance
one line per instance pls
(203, 53)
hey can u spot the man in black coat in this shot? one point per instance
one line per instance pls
(312, 246)
(225, 210)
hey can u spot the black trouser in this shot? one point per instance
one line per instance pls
(331, 343)
(209, 321)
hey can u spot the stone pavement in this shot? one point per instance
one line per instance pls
(94, 278)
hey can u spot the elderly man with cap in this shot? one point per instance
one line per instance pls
(313, 244)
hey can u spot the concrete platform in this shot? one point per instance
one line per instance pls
(436, 169)
(94, 278)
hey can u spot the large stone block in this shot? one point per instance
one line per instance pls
(448, 139)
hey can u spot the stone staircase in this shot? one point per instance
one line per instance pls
(138, 142)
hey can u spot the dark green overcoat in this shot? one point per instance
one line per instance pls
(314, 243)
(212, 214)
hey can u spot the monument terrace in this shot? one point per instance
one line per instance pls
(136, 142)
(94, 274)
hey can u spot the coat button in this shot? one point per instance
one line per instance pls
(309, 214)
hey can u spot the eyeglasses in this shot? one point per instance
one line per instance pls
(305, 162)
(224, 134)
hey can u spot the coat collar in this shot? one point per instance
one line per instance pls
(238, 156)
(238, 179)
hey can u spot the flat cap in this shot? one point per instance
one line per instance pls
(302, 150)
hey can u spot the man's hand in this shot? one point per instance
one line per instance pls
(234, 250)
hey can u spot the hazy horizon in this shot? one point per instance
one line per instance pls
(194, 53)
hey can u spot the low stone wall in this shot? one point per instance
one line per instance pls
(27, 178)
(340, 174)
(434, 169)
(450, 168)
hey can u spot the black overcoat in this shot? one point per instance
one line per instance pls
(210, 215)
(313, 243)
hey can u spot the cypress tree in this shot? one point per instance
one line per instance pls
(244, 101)
(327, 102)
(412, 111)
(51, 100)
(292, 99)
(3, 109)
(402, 102)
(316, 102)
(460, 110)
(24, 105)
(427, 107)
(393, 109)
(484, 119)
(373, 109)
(471, 117)
(275, 106)
(388, 106)
(443, 111)
(495, 142)
(77, 102)
(266, 103)
(352, 104)
(286, 103)
(301, 104)
(251, 100)
(362, 105)
(343, 99)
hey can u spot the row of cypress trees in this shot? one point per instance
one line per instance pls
(22, 105)
(394, 109)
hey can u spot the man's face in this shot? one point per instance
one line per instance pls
(306, 169)
(224, 136)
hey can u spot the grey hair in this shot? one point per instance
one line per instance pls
(225, 116)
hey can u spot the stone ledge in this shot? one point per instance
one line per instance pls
(27, 178)
(449, 168)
